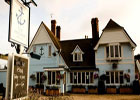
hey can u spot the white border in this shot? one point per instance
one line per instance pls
(12, 71)
(14, 28)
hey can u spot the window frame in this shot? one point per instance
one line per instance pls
(77, 55)
(39, 81)
(51, 79)
(111, 55)
(114, 78)
(49, 50)
(84, 82)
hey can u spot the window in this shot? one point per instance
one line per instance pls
(81, 77)
(87, 77)
(121, 77)
(71, 77)
(91, 77)
(57, 77)
(39, 80)
(49, 77)
(54, 77)
(107, 78)
(75, 77)
(113, 51)
(49, 51)
(114, 77)
(107, 51)
(34, 48)
(77, 54)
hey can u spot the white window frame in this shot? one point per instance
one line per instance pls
(90, 83)
(39, 78)
(77, 59)
(52, 79)
(119, 48)
(114, 78)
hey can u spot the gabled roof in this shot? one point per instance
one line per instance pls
(86, 45)
(77, 47)
(112, 26)
(53, 38)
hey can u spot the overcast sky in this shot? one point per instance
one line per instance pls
(74, 17)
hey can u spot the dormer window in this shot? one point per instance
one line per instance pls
(77, 54)
(113, 52)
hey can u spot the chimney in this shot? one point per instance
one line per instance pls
(58, 29)
(53, 26)
(95, 30)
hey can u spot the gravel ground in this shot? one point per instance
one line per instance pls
(105, 97)
(92, 97)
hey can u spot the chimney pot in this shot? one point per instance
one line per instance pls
(53, 26)
(95, 30)
(58, 29)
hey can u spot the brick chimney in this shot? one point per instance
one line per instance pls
(95, 30)
(53, 26)
(58, 29)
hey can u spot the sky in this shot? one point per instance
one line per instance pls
(74, 17)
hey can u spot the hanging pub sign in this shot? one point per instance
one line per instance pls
(19, 23)
(19, 77)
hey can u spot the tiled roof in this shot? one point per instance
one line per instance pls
(112, 25)
(54, 39)
(86, 45)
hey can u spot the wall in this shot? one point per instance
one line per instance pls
(3, 76)
(45, 61)
(125, 64)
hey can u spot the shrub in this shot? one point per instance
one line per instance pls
(33, 77)
(136, 87)
(101, 87)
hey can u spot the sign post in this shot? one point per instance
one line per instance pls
(19, 35)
